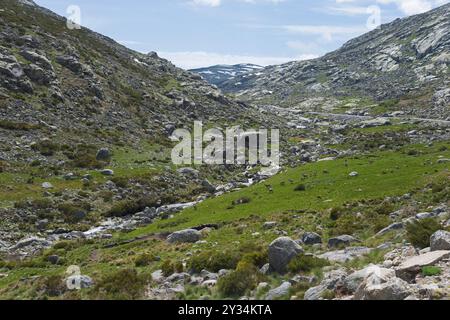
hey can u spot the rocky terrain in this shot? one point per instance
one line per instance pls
(403, 65)
(220, 74)
(92, 208)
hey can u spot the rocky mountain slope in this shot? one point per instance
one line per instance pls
(60, 80)
(403, 65)
(217, 75)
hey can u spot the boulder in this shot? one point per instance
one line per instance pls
(392, 227)
(103, 154)
(345, 255)
(412, 266)
(310, 238)
(281, 252)
(47, 185)
(107, 172)
(383, 287)
(279, 292)
(37, 58)
(440, 241)
(70, 63)
(185, 236)
(330, 282)
(269, 225)
(344, 240)
(79, 282)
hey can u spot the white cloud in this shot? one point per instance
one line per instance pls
(208, 3)
(327, 32)
(218, 3)
(198, 59)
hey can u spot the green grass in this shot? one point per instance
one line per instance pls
(431, 271)
(380, 174)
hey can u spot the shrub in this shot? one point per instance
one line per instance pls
(12, 125)
(130, 207)
(124, 284)
(73, 213)
(431, 271)
(46, 148)
(85, 156)
(214, 261)
(419, 232)
(144, 260)
(169, 267)
(237, 283)
(242, 200)
(300, 187)
(347, 224)
(52, 286)
(121, 182)
(304, 263)
(257, 258)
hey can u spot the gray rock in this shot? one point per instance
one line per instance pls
(392, 227)
(412, 266)
(310, 238)
(103, 154)
(440, 241)
(188, 171)
(279, 292)
(208, 186)
(178, 277)
(330, 283)
(32, 241)
(345, 255)
(344, 240)
(265, 269)
(184, 236)
(269, 225)
(80, 281)
(107, 172)
(37, 58)
(47, 185)
(70, 63)
(53, 259)
(392, 289)
(281, 252)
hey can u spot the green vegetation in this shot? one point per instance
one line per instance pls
(237, 283)
(431, 271)
(381, 174)
(419, 232)
(306, 264)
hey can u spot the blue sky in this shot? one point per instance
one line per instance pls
(196, 33)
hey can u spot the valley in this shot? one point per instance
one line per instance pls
(92, 206)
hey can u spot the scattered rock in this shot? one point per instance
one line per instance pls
(440, 241)
(310, 238)
(412, 266)
(279, 292)
(103, 154)
(185, 236)
(344, 240)
(281, 252)
(79, 282)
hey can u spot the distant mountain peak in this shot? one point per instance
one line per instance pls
(221, 73)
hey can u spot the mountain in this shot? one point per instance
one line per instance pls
(81, 82)
(404, 64)
(92, 207)
(219, 74)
